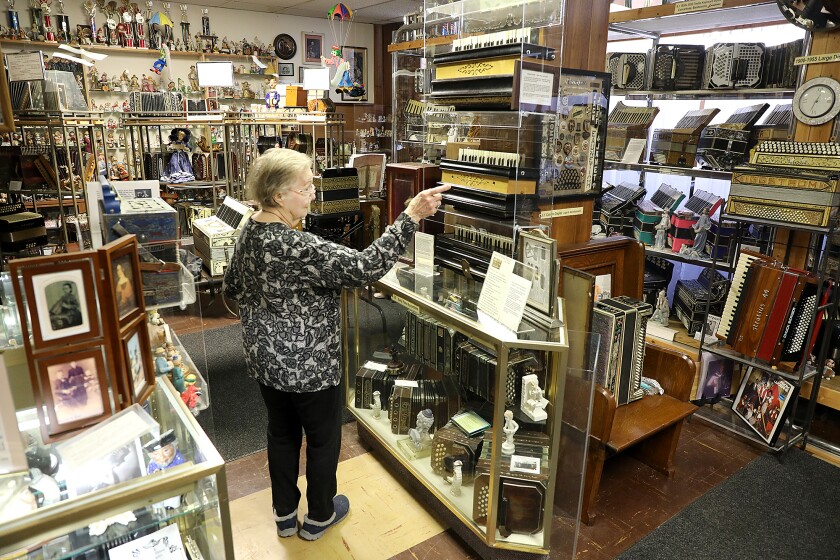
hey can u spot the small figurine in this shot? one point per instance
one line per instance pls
(192, 76)
(533, 402)
(246, 91)
(162, 366)
(510, 428)
(663, 309)
(828, 369)
(163, 453)
(662, 231)
(192, 393)
(377, 404)
(179, 168)
(420, 435)
(272, 95)
(176, 374)
(701, 229)
(134, 85)
(456, 479)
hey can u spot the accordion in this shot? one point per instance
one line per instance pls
(677, 67)
(451, 444)
(725, 145)
(678, 145)
(779, 70)
(618, 208)
(658, 274)
(734, 65)
(621, 323)
(775, 126)
(626, 123)
(648, 212)
(720, 241)
(628, 70)
(681, 232)
(19, 229)
(691, 297)
(336, 191)
(157, 102)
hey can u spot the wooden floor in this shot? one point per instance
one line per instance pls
(634, 500)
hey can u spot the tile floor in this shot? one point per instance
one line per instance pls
(634, 499)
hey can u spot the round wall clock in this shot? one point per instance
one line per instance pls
(817, 101)
(285, 46)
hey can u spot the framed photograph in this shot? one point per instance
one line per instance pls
(73, 390)
(358, 71)
(539, 252)
(286, 69)
(137, 362)
(60, 297)
(313, 47)
(762, 401)
(120, 465)
(7, 120)
(715, 377)
(123, 287)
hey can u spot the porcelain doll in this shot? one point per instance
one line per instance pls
(510, 428)
(163, 453)
(663, 309)
(179, 168)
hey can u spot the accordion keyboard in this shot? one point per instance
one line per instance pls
(745, 260)
(803, 148)
(487, 157)
(496, 39)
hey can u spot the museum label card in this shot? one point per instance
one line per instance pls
(424, 252)
(165, 544)
(504, 294)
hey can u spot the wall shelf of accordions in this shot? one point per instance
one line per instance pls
(681, 233)
(627, 123)
(768, 311)
(648, 212)
(484, 71)
(788, 182)
(678, 145)
(618, 208)
(725, 145)
(734, 65)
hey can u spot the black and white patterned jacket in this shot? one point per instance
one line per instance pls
(287, 284)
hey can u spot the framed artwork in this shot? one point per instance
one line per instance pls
(762, 401)
(73, 389)
(715, 377)
(286, 69)
(137, 361)
(124, 463)
(539, 252)
(7, 120)
(313, 47)
(616, 262)
(60, 298)
(357, 58)
(123, 288)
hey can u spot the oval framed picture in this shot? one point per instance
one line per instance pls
(285, 46)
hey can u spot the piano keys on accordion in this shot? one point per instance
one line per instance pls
(627, 123)
(649, 212)
(471, 239)
(678, 145)
(681, 233)
(484, 71)
(618, 206)
(725, 145)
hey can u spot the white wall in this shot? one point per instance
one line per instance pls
(235, 24)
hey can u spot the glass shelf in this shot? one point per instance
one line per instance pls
(768, 93)
(668, 170)
(725, 352)
(723, 416)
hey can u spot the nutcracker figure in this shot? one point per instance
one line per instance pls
(140, 30)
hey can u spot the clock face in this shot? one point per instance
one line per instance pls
(817, 101)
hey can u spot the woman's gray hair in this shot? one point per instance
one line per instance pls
(273, 173)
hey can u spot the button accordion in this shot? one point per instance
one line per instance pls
(691, 297)
(725, 145)
(734, 65)
(676, 67)
(681, 233)
(618, 208)
(626, 123)
(628, 70)
(775, 125)
(678, 145)
(648, 212)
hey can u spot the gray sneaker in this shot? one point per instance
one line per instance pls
(314, 530)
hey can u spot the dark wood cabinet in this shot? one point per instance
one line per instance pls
(404, 180)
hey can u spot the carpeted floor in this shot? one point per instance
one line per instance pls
(236, 419)
(768, 510)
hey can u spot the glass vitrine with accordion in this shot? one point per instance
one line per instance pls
(434, 355)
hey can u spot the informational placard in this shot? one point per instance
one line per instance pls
(376, 366)
(561, 212)
(165, 544)
(816, 59)
(536, 88)
(696, 6)
(12, 455)
(424, 253)
(504, 294)
(25, 66)
(107, 437)
(634, 151)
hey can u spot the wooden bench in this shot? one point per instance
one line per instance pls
(649, 427)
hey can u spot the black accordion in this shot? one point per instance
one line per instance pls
(691, 297)
(677, 67)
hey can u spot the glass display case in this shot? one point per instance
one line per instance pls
(118, 497)
(435, 387)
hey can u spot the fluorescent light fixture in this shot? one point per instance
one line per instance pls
(82, 52)
(73, 58)
(258, 62)
(215, 74)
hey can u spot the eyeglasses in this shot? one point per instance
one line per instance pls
(307, 191)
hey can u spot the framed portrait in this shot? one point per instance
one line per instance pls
(123, 288)
(60, 298)
(7, 120)
(358, 71)
(139, 378)
(286, 69)
(539, 252)
(73, 389)
(762, 401)
(313, 47)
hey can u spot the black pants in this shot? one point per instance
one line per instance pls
(319, 414)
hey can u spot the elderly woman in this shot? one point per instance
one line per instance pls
(287, 283)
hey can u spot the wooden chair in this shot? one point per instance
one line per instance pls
(650, 427)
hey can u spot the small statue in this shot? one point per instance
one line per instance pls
(272, 95)
(246, 91)
(456, 479)
(533, 402)
(192, 76)
(134, 85)
(163, 453)
(662, 231)
(663, 309)
(176, 374)
(510, 428)
(701, 229)
(420, 435)
(162, 365)
(377, 404)
(179, 168)
(828, 369)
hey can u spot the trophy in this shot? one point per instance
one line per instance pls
(185, 26)
(35, 16)
(63, 23)
(46, 9)
(205, 21)
(165, 30)
(14, 20)
(110, 23)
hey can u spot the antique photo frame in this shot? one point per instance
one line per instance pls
(136, 350)
(60, 297)
(539, 252)
(123, 285)
(313, 47)
(358, 59)
(7, 119)
(286, 69)
(72, 391)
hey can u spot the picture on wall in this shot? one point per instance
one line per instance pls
(355, 75)
(538, 252)
(286, 69)
(313, 47)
